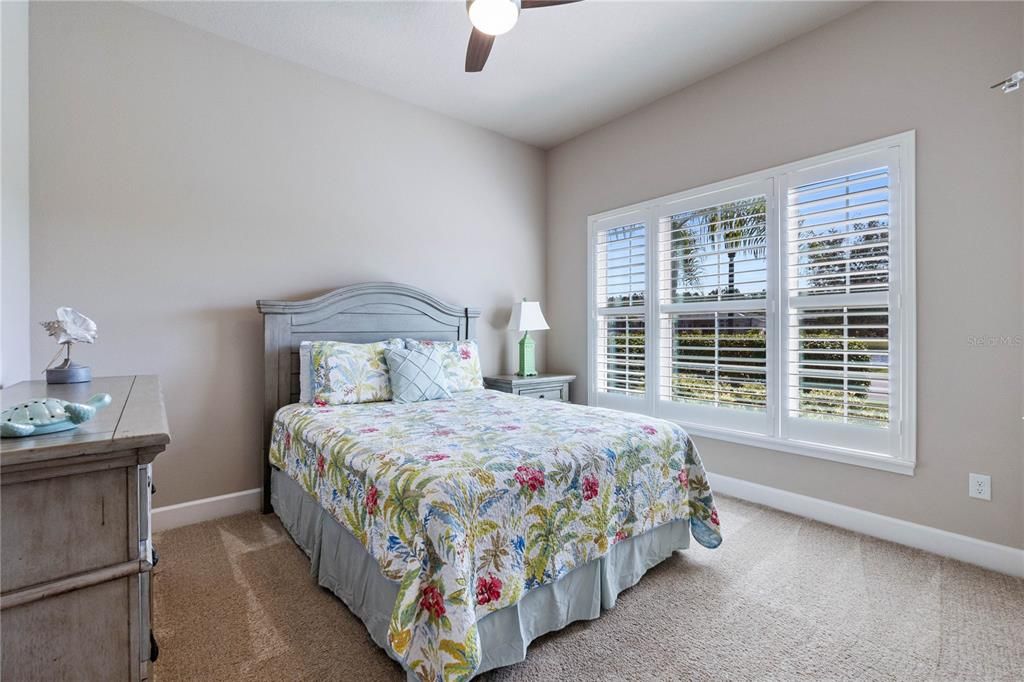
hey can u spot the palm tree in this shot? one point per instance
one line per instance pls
(735, 227)
(739, 226)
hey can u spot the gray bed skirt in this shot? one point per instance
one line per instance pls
(342, 565)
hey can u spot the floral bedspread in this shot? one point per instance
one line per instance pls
(471, 502)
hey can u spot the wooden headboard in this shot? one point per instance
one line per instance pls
(360, 313)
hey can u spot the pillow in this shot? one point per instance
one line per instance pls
(417, 375)
(305, 372)
(346, 373)
(461, 363)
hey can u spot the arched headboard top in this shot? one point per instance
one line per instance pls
(355, 294)
(359, 313)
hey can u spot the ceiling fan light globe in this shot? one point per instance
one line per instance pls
(494, 17)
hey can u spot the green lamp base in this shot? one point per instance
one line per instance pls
(527, 366)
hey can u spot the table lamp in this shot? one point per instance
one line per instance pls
(526, 316)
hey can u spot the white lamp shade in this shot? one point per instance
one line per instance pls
(526, 316)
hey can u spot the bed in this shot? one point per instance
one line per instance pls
(459, 530)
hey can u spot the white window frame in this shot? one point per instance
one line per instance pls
(743, 421)
(611, 221)
(715, 422)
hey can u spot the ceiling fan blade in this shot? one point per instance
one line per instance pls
(534, 4)
(479, 48)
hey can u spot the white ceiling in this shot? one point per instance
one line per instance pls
(559, 72)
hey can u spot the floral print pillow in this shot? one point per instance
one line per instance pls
(347, 373)
(461, 362)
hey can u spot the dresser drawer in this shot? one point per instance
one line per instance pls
(80, 635)
(549, 392)
(55, 527)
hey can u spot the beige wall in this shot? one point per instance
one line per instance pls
(881, 70)
(177, 177)
(14, 205)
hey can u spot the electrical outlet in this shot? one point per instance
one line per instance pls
(980, 486)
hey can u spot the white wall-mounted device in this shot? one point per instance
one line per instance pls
(1010, 84)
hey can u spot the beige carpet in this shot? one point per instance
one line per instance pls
(782, 598)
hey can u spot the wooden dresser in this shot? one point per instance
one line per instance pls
(75, 548)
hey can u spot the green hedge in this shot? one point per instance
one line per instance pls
(738, 387)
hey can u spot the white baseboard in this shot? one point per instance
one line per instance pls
(990, 555)
(187, 513)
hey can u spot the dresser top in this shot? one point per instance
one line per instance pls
(516, 379)
(134, 419)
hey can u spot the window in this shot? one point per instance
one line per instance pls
(712, 308)
(620, 290)
(774, 310)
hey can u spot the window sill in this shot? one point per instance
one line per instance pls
(832, 454)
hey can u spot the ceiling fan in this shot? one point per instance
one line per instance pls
(492, 18)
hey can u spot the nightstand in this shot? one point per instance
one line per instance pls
(543, 386)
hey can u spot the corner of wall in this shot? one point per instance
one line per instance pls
(1020, 8)
(14, 180)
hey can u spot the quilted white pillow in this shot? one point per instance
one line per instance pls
(416, 375)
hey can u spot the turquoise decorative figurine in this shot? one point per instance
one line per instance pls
(48, 415)
(527, 316)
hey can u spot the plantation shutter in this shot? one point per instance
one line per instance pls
(713, 284)
(775, 309)
(840, 346)
(619, 262)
